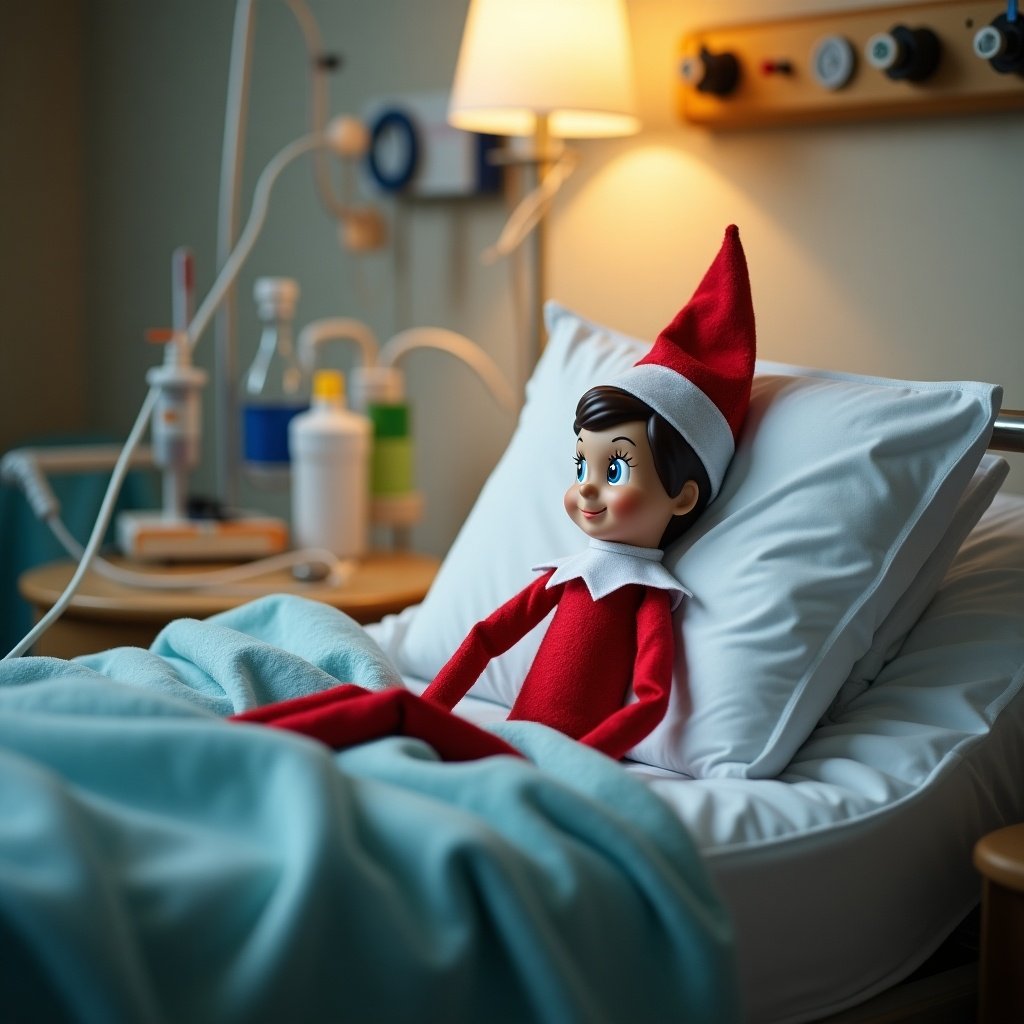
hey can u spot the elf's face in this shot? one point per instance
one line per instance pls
(618, 495)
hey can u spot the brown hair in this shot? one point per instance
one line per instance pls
(675, 461)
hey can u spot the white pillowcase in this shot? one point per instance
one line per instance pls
(840, 490)
(890, 635)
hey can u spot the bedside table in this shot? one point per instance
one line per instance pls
(999, 857)
(105, 614)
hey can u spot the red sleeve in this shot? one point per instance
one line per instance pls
(652, 680)
(501, 630)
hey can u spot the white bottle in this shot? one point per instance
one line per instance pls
(330, 451)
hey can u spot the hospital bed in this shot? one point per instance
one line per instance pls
(794, 839)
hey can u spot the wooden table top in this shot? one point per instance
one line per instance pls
(381, 583)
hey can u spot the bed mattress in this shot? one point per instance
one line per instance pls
(846, 872)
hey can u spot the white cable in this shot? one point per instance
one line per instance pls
(338, 569)
(338, 328)
(457, 345)
(247, 239)
(99, 529)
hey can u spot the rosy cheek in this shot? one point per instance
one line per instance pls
(623, 502)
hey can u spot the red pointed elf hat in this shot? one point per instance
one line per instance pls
(698, 373)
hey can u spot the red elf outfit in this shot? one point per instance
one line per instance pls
(603, 672)
(612, 632)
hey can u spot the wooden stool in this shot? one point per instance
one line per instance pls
(999, 857)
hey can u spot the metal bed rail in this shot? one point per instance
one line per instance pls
(1008, 432)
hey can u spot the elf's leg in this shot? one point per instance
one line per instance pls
(348, 714)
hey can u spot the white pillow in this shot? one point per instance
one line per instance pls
(840, 490)
(890, 635)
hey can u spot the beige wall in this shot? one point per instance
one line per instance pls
(882, 248)
(888, 248)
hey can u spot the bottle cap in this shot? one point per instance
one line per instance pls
(377, 385)
(328, 386)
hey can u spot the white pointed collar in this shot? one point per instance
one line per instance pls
(606, 566)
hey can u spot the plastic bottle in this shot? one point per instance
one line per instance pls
(379, 391)
(276, 388)
(330, 448)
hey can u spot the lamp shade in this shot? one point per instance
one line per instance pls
(566, 60)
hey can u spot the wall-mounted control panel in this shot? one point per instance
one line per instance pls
(944, 57)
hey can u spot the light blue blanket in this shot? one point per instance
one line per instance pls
(158, 863)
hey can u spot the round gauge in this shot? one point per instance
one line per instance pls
(883, 51)
(833, 61)
(989, 42)
(691, 69)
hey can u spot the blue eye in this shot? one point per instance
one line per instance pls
(618, 472)
(581, 469)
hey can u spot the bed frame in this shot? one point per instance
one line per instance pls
(1008, 432)
(944, 990)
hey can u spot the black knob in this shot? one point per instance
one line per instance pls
(716, 73)
(909, 54)
(1002, 45)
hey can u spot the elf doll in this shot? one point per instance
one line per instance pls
(651, 450)
(652, 447)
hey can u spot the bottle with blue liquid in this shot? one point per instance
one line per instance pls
(276, 388)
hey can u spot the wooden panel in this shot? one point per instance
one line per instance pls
(765, 95)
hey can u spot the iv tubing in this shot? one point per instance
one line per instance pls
(99, 529)
(261, 196)
(317, 102)
(339, 568)
(457, 345)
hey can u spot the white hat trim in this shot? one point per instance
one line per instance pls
(686, 408)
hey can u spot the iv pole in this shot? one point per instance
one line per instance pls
(226, 371)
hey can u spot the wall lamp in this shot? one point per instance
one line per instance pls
(547, 70)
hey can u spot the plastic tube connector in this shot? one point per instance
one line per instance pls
(348, 137)
(20, 469)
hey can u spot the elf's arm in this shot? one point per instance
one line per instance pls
(492, 636)
(652, 681)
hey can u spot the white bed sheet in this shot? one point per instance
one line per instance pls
(845, 873)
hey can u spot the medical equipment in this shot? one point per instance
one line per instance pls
(414, 152)
(174, 535)
(171, 533)
(334, 138)
(378, 391)
(330, 450)
(929, 58)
